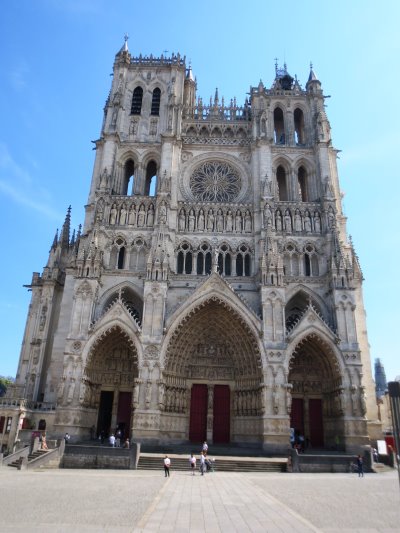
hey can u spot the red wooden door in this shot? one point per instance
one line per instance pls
(222, 414)
(124, 413)
(198, 414)
(297, 416)
(316, 424)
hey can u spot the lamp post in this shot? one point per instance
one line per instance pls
(394, 395)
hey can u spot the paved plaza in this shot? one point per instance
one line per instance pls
(134, 501)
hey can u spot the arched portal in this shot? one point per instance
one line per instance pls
(110, 375)
(214, 357)
(317, 394)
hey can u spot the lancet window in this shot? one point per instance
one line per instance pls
(204, 261)
(184, 259)
(129, 172)
(299, 131)
(155, 102)
(291, 261)
(137, 261)
(137, 98)
(243, 261)
(282, 183)
(302, 184)
(279, 126)
(225, 261)
(151, 179)
(311, 266)
(117, 256)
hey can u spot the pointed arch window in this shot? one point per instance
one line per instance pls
(185, 259)
(224, 261)
(243, 261)
(203, 266)
(121, 258)
(282, 183)
(279, 126)
(302, 183)
(155, 102)
(299, 131)
(129, 173)
(137, 98)
(151, 179)
(311, 265)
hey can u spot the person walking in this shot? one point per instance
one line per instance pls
(202, 463)
(192, 462)
(167, 464)
(360, 466)
(205, 448)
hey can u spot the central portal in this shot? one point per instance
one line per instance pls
(219, 410)
(222, 414)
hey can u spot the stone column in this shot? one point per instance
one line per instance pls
(210, 413)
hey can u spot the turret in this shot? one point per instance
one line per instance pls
(189, 92)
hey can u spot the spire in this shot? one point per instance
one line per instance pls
(189, 73)
(64, 238)
(313, 84)
(55, 241)
(312, 76)
(123, 52)
(125, 47)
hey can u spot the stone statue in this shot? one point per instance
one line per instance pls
(229, 221)
(141, 217)
(132, 215)
(192, 220)
(307, 222)
(267, 215)
(113, 214)
(122, 216)
(267, 188)
(317, 222)
(247, 222)
(238, 222)
(182, 220)
(297, 221)
(162, 214)
(288, 222)
(210, 220)
(220, 221)
(200, 222)
(150, 216)
(278, 219)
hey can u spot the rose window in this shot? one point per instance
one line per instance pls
(215, 182)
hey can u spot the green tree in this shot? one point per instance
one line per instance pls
(4, 383)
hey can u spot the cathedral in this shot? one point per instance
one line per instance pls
(212, 292)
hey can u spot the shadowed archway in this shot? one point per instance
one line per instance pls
(110, 374)
(317, 393)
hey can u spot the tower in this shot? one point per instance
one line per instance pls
(212, 292)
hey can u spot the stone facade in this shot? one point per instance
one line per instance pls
(213, 291)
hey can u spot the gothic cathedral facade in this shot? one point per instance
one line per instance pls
(213, 292)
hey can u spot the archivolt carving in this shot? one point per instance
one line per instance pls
(213, 342)
(112, 359)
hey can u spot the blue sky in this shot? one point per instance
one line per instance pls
(57, 56)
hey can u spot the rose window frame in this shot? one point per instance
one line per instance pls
(215, 181)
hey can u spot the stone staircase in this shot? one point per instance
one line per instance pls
(154, 461)
(31, 457)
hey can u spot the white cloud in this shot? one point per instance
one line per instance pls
(18, 76)
(17, 184)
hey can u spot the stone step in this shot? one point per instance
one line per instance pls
(225, 464)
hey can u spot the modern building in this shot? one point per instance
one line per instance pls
(213, 292)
